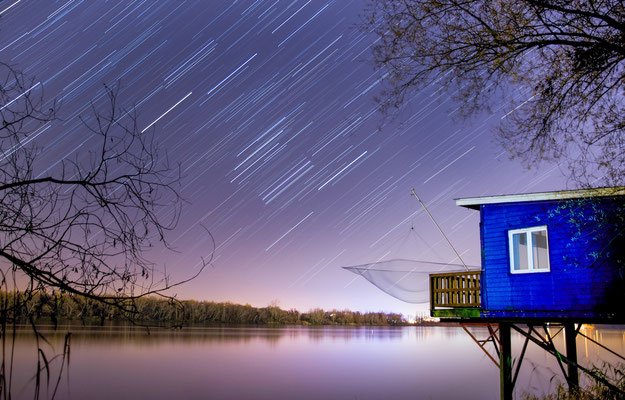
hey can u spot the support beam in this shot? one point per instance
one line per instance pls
(542, 343)
(482, 343)
(548, 340)
(505, 361)
(519, 362)
(571, 353)
(600, 345)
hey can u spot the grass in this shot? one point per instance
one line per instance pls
(594, 390)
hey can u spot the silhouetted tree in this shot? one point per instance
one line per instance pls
(563, 58)
(80, 224)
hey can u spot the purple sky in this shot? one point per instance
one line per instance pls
(269, 107)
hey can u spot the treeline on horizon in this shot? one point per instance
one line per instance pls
(57, 307)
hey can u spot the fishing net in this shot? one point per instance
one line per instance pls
(406, 280)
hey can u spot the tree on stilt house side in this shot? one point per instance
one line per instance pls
(556, 66)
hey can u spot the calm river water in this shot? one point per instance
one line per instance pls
(122, 362)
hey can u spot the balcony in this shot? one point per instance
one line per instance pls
(455, 294)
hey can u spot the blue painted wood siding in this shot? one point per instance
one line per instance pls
(586, 250)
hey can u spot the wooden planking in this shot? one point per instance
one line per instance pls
(573, 282)
(458, 289)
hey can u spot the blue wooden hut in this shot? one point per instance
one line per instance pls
(549, 256)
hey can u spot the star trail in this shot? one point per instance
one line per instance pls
(269, 108)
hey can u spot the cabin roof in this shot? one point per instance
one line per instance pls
(475, 202)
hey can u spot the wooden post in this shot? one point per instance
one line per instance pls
(505, 361)
(432, 295)
(571, 353)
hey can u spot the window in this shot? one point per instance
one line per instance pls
(529, 250)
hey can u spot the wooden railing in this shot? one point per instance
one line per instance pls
(456, 289)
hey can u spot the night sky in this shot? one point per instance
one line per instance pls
(269, 107)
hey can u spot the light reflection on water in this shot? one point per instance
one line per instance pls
(119, 361)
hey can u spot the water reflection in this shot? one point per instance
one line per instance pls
(224, 362)
(126, 333)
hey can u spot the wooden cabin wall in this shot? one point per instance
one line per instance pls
(586, 251)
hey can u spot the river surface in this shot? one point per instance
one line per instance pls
(432, 362)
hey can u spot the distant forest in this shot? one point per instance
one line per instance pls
(162, 311)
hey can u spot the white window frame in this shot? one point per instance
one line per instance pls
(530, 257)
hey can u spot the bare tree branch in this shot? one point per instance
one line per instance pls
(83, 226)
(567, 57)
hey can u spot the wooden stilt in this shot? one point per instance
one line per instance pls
(571, 353)
(505, 361)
